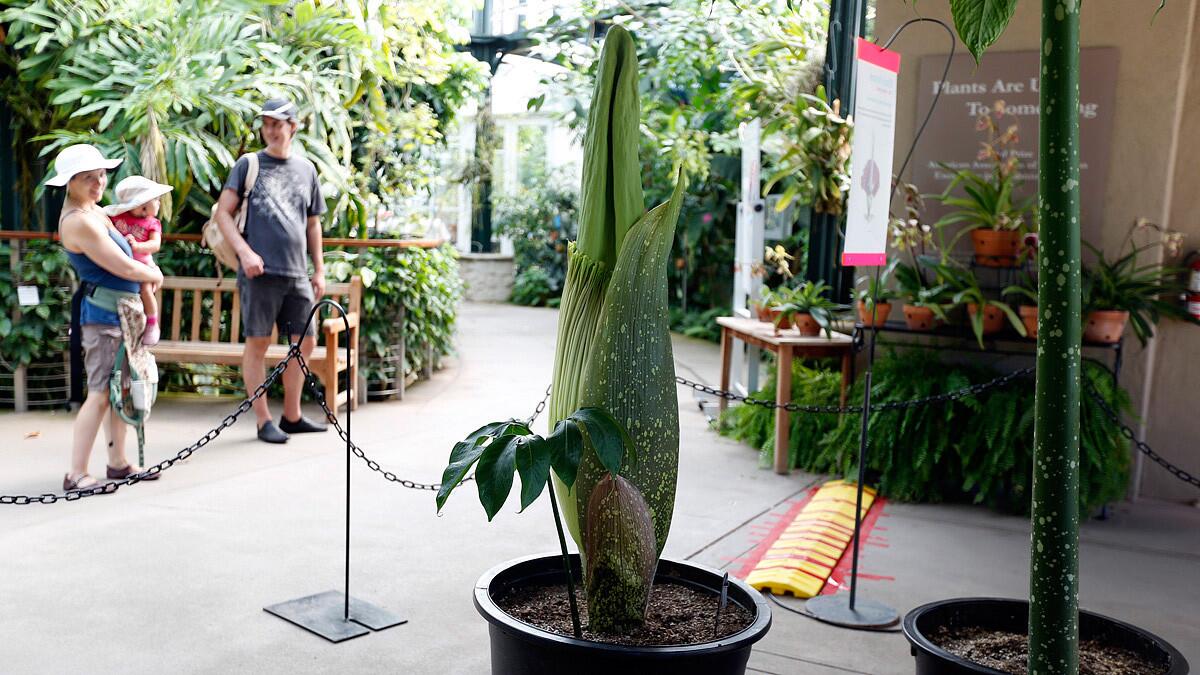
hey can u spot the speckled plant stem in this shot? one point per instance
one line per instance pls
(1054, 568)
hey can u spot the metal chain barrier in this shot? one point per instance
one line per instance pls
(311, 381)
(107, 488)
(973, 390)
(319, 394)
(1128, 433)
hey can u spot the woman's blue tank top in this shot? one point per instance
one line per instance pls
(92, 273)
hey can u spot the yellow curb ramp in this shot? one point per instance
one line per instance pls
(804, 553)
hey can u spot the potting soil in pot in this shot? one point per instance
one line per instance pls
(1009, 652)
(678, 615)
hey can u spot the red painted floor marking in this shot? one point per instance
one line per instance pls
(765, 543)
(842, 570)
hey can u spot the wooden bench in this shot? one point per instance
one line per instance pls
(202, 321)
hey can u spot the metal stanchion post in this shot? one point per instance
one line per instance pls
(335, 615)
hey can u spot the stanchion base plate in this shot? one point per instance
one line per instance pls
(835, 609)
(323, 614)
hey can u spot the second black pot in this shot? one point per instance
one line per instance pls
(1013, 616)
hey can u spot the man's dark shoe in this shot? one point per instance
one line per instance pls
(271, 434)
(300, 426)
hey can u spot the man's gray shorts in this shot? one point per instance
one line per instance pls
(269, 300)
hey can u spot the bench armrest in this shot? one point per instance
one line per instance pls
(335, 325)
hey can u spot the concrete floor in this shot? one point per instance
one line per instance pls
(171, 576)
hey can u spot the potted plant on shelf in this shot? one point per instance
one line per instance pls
(809, 308)
(925, 303)
(873, 297)
(985, 315)
(618, 510)
(767, 299)
(1120, 291)
(986, 208)
(1026, 289)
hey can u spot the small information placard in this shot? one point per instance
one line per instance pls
(871, 155)
(27, 296)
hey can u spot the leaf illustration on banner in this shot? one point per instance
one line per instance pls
(870, 180)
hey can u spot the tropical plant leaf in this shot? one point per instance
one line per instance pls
(468, 451)
(980, 22)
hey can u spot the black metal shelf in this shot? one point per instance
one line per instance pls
(962, 339)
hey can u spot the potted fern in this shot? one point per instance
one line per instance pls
(613, 470)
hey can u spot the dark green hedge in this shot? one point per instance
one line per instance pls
(975, 449)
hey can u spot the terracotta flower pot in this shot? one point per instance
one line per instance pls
(1105, 326)
(993, 318)
(919, 318)
(779, 320)
(882, 309)
(996, 248)
(807, 325)
(762, 312)
(1029, 317)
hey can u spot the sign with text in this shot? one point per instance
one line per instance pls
(1011, 78)
(27, 296)
(871, 155)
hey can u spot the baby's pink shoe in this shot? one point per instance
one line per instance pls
(151, 334)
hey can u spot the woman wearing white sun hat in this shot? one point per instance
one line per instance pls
(105, 265)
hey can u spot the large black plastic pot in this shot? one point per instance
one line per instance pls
(518, 647)
(1013, 615)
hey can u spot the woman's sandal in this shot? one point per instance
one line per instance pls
(82, 482)
(129, 470)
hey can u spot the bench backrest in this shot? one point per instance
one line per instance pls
(202, 309)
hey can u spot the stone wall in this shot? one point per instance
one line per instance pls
(488, 276)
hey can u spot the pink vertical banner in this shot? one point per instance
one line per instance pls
(871, 156)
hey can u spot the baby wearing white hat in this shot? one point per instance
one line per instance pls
(135, 216)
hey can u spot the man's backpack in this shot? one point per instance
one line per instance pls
(213, 238)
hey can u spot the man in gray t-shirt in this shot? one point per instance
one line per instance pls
(282, 224)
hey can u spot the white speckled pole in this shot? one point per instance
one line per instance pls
(1054, 568)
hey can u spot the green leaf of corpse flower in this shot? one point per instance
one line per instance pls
(611, 201)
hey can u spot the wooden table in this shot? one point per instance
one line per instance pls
(786, 346)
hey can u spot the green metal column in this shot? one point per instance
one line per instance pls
(10, 203)
(847, 20)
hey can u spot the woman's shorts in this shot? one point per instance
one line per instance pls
(100, 345)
